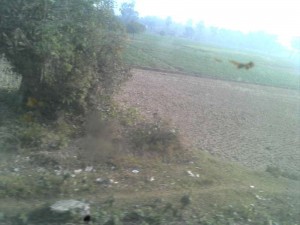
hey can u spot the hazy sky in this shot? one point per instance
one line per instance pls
(279, 17)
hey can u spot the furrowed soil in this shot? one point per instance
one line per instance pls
(253, 125)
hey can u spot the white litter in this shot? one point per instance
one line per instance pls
(70, 205)
(191, 174)
(89, 169)
(135, 171)
(78, 171)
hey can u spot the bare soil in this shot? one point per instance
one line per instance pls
(253, 125)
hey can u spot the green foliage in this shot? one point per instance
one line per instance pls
(135, 27)
(68, 52)
(29, 186)
(128, 14)
(36, 136)
(130, 19)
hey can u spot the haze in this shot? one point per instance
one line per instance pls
(280, 17)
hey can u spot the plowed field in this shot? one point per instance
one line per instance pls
(251, 124)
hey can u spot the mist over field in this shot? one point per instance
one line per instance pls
(139, 115)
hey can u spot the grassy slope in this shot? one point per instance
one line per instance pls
(175, 54)
(222, 192)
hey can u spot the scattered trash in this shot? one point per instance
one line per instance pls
(113, 182)
(89, 169)
(72, 206)
(151, 179)
(251, 186)
(106, 181)
(259, 197)
(192, 174)
(16, 169)
(73, 175)
(135, 171)
(78, 171)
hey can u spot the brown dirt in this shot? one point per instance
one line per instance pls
(250, 124)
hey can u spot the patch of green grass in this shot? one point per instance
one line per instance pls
(277, 172)
(29, 185)
(219, 193)
(182, 55)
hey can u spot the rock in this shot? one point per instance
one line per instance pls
(72, 206)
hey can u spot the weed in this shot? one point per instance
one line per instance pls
(29, 186)
(156, 138)
(36, 136)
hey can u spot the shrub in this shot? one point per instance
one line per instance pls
(155, 138)
(36, 136)
(67, 52)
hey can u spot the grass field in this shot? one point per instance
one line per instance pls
(183, 55)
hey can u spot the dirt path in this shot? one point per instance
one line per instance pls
(251, 124)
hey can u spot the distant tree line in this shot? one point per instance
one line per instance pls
(130, 19)
(258, 41)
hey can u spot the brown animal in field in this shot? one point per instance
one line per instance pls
(240, 65)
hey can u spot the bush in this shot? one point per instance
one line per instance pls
(156, 138)
(36, 136)
(68, 53)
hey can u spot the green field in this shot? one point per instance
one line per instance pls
(186, 56)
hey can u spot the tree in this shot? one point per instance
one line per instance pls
(67, 52)
(130, 19)
(135, 27)
(128, 14)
